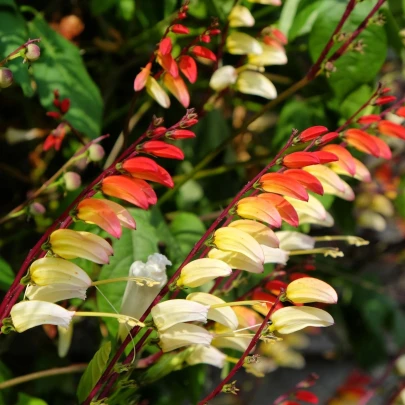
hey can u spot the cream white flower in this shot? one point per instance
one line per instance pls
(241, 16)
(55, 292)
(237, 260)
(239, 343)
(257, 84)
(223, 315)
(262, 233)
(64, 340)
(201, 271)
(183, 334)
(223, 77)
(28, 314)
(206, 355)
(137, 298)
(308, 289)
(291, 240)
(239, 43)
(275, 255)
(270, 56)
(169, 313)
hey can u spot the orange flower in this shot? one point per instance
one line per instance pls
(258, 209)
(309, 181)
(135, 191)
(325, 157)
(188, 67)
(391, 129)
(312, 133)
(279, 183)
(346, 160)
(367, 143)
(296, 160)
(108, 215)
(285, 209)
(168, 63)
(142, 77)
(369, 119)
(178, 88)
(147, 169)
(162, 149)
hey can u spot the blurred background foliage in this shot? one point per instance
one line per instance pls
(91, 51)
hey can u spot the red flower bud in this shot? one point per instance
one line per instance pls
(64, 105)
(384, 100)
(203, 52)
(400, 112)
(391, 129)
(188, 67)
(159, 131)
(53, 114)
(296, 276)
(215, 32)
(306, 396)
(368, 119)
(180, 134)
(325, 157)
(180, 29)
(182, 15)
(165, 46)
(328, 137)
(297, 160)
(56, 102)
(189, 123)
(385, 90)
(312, 133)
(162, 149)
(205, 38)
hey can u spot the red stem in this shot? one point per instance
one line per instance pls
(239, 364)
(397, 392)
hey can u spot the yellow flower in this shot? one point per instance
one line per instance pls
(241, 16)
(155, 90)
(201, 271)
(270, 56)
(291, 240)
(237, 260)
(72, 244)
(262, 233)
(236, 241)
(290, 319)
(239, 43)
(28, 314)
(206, 355)
(308, 289)
(169, 313)
(258, 209)
(223, 315)
(223, 77)
(183, 334)
(239, 343)
(257, 84)
(55, 292)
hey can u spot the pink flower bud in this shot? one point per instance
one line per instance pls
(32, 52)
(96, 153)
(72, 181)
(6, 78)
(36, 209)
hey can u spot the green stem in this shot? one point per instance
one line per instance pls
(147, 281)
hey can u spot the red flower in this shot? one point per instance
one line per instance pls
(165, 46)
(180, 29)
(162, 149)
(391, 129)
(312, 133)
(368, 119)
(55, 138)
(180, 134)
(308, 180)
(279, 183)
(384, 100)
(297, 160)
(285, 209)
(188, 67)
(203, 52)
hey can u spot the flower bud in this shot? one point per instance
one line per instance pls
(36, 209)
(6, 78)
(96, 152)
(33, 52)
(72, 181)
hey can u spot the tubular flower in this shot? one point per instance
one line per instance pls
(50, 270)
(257, 84)
(311, 212)
(201, 271)
(162, 149)
(262, 233)
(239, 43)
(310, 289)
(72, 244)
(258, 209)
(237, 260)
(312, 133)
(178, 88)
(224, 315)
(236, 342)
(296, 160)
(369, 119)
(142, 77)
(290, 240)
(206, 355)
(275, 255)
(28, 314)
(183, 334)
(223, 77)
(240, 16)
(135, 191)
(203, 52)
(285, 209)
(270, 56)
(391, 129)
(361, 173)
(155, 90)
(236, 241)
(325, 157)
(147, 169)
(309, 181)
(106, 214)
(346, 161)
(168, 63)
(279, 183)
(169, 313)
(188, 67)
(55, 292)
(367, 143)
(137, 298)
(291, 319)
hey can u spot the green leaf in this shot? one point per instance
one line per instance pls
(24, 399)
(126, 9)
(6, 275)
(287, 16)
(99, 7)
(61, 67)
(93, 372)
(13, 33)
(132, 246)
(353, 68)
